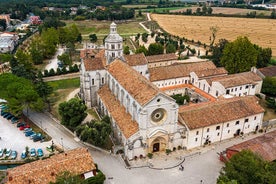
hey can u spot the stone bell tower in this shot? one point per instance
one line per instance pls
(113, 45)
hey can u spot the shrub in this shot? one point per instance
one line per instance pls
(52, 72)
(150, 155)
(168, 151)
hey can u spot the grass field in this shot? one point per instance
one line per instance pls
(260, 31)
(62, 89)
(228, 11)
(162, 10)
(101, 28)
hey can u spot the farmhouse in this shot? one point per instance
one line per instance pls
(146, 119)
(264, 145)
(77, 161)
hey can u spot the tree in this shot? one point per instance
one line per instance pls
(247, 168)
(44, 90)
(36, 53)
(264, 56)
(142, 49)
(72, 113)
(214, 31)
(170, 48)
(273, 14)
(3, 24)
(67, 178)
(65, 59)
(239, 55)
(126, 50)
(209, 10)
(93, 38)
(269, 86)
(20, 94)
(155, 49)
(204, 10)
(217, 51)
(95, 132)
(21, 65)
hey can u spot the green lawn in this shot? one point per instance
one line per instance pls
(62, 89)
(65, 84)
(101, 28)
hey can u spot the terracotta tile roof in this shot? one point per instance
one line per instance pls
(178, 70)
(220, 111)
(269, 71)
(236, 79)
(92, 64)
(77, 161)
(87, 53)
(118, 112)
(211, 72)
(137, 86)
(197, 90)
(136, 59)
(98, 62)
(161, 57)
(264, 145)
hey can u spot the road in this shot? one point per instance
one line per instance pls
(53, 62)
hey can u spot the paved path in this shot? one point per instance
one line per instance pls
(53, 62)
(61, 77)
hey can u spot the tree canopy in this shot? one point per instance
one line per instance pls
(269, 86)
(20, 94)
(239, 55)
(247, 168)
(155, 49)
(95, 132)
(72, 113)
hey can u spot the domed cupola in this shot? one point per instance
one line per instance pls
(113, 44)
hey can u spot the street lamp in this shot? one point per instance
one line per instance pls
(61, 139)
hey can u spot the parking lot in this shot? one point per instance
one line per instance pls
(14, 139)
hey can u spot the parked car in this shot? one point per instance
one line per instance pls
(32, 152)
(27, 130)
(23, 127)
(14, 119)
(6, 115)
(20, 124)
(23, 154)
(8, 152)
(38, 138)
(39, 152)
(3, 113)
(1, 152)
(32, 136)
(29, 133)
(14, 154)
(9, 117)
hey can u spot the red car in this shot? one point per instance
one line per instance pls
(23, 127)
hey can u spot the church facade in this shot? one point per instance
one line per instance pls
(146, 119)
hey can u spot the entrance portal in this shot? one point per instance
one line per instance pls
(158, 144)
(156, 147)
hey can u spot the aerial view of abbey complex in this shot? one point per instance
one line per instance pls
(137, 92)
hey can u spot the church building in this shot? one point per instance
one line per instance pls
(135, 92)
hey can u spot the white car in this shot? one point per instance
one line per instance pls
(1, 152)
(33, 152)
(8, 152)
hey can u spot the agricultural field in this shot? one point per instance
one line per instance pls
(101, 28)
(260, 31)
(162, 10)
(228, 11)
